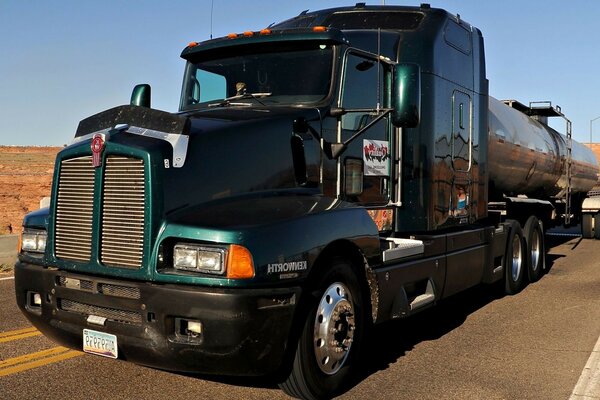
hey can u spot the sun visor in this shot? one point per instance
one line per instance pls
(142, 117)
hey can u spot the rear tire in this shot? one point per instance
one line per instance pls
(535, 248)
(514, 260)
(327, 351)
(587, 230)
(597, 226)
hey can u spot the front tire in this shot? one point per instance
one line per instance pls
(327, 351)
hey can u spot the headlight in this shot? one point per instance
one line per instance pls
(189, 257)
(33, 241)
(233, 261)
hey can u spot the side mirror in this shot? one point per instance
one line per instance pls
(140, 96)
(406, 96)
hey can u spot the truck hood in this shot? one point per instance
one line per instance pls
(186, 123)
(223, 152)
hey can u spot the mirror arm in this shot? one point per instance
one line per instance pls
(334, 150)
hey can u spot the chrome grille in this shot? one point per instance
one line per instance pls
(79, 284)
(112, 314)
(119, 291)
(74, 206)
(107, 289)
(123, 206)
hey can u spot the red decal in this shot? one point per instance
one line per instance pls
(97, 147)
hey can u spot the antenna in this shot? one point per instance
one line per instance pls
(212, 6)
(378, 68)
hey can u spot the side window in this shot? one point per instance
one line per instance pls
(211, 86)
(366, 163)
(363, 87)
(203, 86)
(458, 37)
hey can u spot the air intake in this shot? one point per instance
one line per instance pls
(123, 210)
(74, 209)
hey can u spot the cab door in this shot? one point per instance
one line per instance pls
(462, 147)
(365, 167)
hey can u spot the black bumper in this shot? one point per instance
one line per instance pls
(244, 331)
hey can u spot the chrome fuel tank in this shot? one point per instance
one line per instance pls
(527, 157)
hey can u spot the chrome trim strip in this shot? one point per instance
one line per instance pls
(179, 142)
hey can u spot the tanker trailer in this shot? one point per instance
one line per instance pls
(529, 161)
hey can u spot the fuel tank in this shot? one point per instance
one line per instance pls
(530, 158)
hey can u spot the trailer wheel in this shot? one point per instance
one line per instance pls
(597, 226)
(514, 260)
(535, 248)
(587, 230)
(327, 351)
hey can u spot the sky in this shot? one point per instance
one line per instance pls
(64, 60)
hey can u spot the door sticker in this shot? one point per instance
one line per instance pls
(376, 155)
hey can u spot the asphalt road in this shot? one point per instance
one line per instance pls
(475, 345)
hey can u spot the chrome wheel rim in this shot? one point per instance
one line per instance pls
(334, 328)
(516, 258)
(535, 249)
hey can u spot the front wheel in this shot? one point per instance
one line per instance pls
(327, 351)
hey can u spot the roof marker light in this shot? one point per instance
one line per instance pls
(232, 35)
(192, 44)
(248, 34)
(265, 31)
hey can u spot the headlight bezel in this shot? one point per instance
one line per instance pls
(235, 261)
(183, 253)
(33, 241)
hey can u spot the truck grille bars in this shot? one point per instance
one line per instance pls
(121, 235)
(74, 207)
(123, 212)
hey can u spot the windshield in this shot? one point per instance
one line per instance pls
(265, 75)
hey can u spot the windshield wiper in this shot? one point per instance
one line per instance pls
(227, 101)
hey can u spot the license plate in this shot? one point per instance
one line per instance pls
(100, 343)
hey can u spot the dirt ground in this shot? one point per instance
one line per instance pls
(25, 178)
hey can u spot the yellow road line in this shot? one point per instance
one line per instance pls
(18, 334)
(32, 356)
(35, 360)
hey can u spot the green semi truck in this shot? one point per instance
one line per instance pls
(340, 169)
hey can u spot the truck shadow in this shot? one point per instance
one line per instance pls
(392, 340)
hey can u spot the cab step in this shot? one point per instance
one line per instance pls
(398, 248)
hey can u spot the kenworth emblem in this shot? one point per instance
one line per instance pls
(97, 147)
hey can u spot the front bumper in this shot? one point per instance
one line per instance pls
(245, 331)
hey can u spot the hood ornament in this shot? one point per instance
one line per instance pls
(97, 148)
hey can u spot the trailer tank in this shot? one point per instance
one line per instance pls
(528, 157)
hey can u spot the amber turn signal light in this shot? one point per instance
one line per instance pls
(239, 263)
